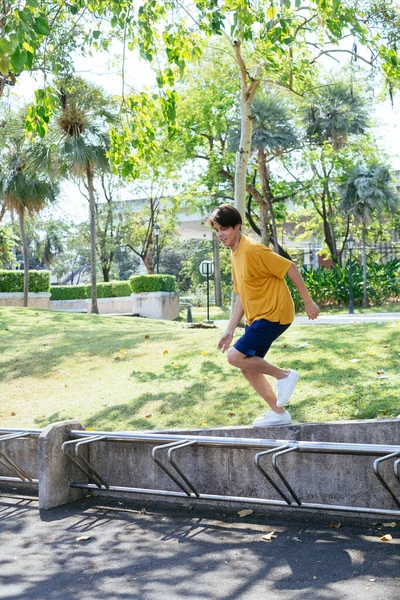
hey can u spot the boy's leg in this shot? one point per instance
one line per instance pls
(263, 388)
(255, 364)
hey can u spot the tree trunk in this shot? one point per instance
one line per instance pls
(247, 92)
(106, 274)
(267, 196)
(89, 175)
(217, 271)
(364, 265)
(24, 254)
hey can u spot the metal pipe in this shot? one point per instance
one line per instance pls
(163, 467)
(334, 507)
(268, 477)
(17, 480)
(177, 469)
(377, 462)
(279, 473)
(254, 443)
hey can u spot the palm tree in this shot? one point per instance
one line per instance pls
(77, 145)
(273, 134)
(335, 113)
(368, 191)
(24, 194)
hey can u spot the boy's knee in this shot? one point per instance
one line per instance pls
(234, 358)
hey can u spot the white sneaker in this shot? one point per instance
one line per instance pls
(285, 387)
(261, 417)
(271, 418)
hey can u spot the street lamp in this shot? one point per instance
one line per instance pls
(156, 230)
(350, 246)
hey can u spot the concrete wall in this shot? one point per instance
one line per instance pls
(112, 306)
(41, 300)
(69, 305)
(156, 305)
(316, 478)
(326, 479)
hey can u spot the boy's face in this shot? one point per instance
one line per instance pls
(228, 236)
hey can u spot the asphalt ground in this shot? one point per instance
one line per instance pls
(97, 548)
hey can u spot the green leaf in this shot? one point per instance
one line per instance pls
(96, 34)
(40, 26)
(18, 60)
(4, 64)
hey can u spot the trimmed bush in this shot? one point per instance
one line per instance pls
(112, 289)
(70, 292)
(13, 281)
(152, 283)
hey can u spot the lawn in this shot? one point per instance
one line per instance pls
(115, 373)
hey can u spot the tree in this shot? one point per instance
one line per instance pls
(368, 191)
(336, 114)
(78, 146)
(25, 194)
(273, 134)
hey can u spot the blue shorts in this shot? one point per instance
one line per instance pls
(258, 337)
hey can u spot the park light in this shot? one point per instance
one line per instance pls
(156, 230)
(350, 246)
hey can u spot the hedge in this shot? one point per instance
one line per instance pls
(152, 283)
(112, 289)
(13, 281)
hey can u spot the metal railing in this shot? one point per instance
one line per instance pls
(169, 444)
(20, 475)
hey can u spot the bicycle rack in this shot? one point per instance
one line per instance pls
(11, 465)
(276, 449)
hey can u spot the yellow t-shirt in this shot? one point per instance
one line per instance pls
(258, 278)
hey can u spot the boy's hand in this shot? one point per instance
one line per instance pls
(312, 310)
(225, 341)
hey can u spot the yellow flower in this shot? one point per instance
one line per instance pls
(204, 353)
(122, 351)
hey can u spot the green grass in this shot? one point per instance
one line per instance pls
(115, 373)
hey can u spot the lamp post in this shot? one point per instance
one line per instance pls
(156, 230)
(350, 246)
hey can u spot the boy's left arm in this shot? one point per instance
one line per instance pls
(295, 277)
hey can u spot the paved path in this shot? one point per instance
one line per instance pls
(94, 550)
(338, 319)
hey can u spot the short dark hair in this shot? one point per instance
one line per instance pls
(225, 215)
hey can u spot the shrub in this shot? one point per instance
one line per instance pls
(111, 289)
(13, 281)
(152, 283)
(70, 292)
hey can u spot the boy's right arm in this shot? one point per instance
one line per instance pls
(227, 337)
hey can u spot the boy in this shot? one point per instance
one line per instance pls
(264, 298)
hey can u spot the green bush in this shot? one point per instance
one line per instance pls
(112, 289)
(330, 287)
(152, 283)
(13, 281)
(70, 292)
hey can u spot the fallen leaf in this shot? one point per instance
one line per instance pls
(302, 345)
(231, 414)
(334, 525)
(269, 536)
(380, 372)
(384, 411)
(296, 539)
(372, 579)
(89, 429)
(13, 414)
(391, 524)
(146, 337)
(83, 538)
(387, 345)
(386, 538)
(354, 360)
(372, 353)
(122, 351)
(165, 352)
(245, 513)
(314, 577)
(148, 416)
(204, 353)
